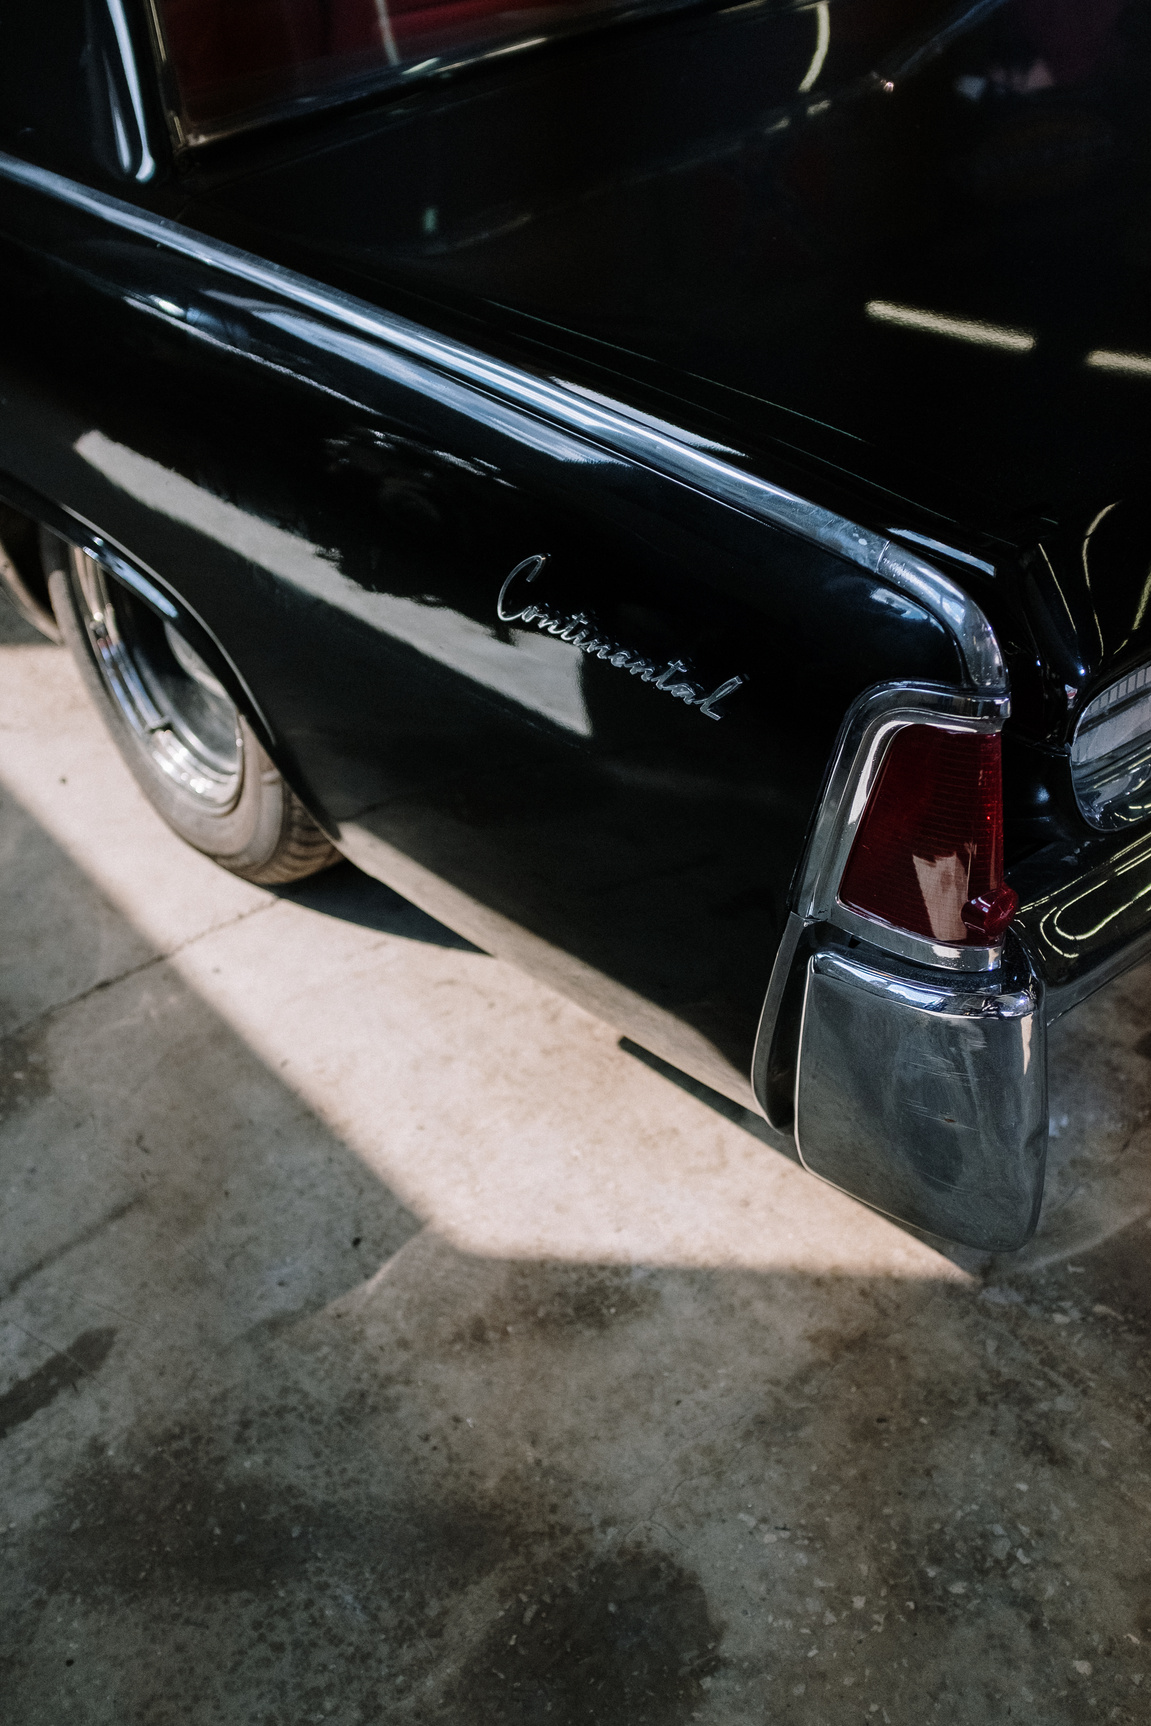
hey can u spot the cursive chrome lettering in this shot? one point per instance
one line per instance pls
(707, 705)
(676, 665)
(529, 568)
(580, 633)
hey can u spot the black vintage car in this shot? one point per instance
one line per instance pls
(663, 486)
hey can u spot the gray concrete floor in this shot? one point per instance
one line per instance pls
(381, 1341)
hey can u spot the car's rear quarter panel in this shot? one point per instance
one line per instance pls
(342, 519)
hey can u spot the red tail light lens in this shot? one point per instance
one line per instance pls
(928, 856)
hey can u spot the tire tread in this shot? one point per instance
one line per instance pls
(303, 848)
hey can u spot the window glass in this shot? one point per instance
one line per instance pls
(233, 61)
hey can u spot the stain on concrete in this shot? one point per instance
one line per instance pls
(63, 1371)
(629, 1641)
(1115, 1278)
(709, 1511)
(820, 1475)
(168, 1521)
(179, 1516)
(396, 1590)
(555, 1301)
(25, 1072)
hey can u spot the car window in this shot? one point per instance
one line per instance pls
(233, 62)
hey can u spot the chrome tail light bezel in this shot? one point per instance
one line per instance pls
(867, 733)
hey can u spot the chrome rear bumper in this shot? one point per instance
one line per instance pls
(925, 1097)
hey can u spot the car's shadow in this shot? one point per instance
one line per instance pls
(725, 1106)
(347, 893)
(345, 1366)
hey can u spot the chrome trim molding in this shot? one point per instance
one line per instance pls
(145, 166)
(905, 534)
(961, 961)
(772, 1002)
(97, 549)
(947, 996)
(943, 598)
(611, 425)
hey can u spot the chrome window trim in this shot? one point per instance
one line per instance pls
(390, 75)
(905, 62)
(145, 165)
(609, 424)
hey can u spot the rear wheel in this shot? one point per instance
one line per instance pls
(193, 753)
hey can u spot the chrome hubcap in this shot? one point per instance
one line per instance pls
(178, 710)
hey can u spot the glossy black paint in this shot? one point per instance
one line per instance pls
(725, 233)
(605, 820)
(658, 215)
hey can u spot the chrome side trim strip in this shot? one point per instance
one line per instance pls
(945, 599)
(904, 533)
(610, 425)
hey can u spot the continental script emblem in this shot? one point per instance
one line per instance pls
(672, 679)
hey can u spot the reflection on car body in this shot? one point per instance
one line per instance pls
(400, 402)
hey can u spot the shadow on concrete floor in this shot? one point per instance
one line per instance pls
(347, 893)
(276, 1453)
(968, 1259)
(725, 1106)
